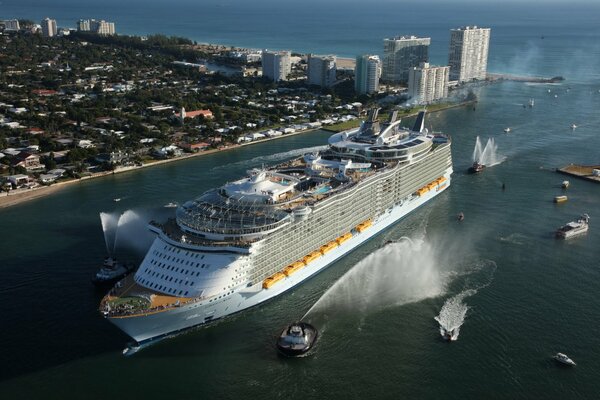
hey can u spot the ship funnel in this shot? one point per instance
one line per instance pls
(420, 122)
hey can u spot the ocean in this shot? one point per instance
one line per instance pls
(523, 294)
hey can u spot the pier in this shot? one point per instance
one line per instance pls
(582, 171)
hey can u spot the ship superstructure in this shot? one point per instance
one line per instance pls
(252, 239)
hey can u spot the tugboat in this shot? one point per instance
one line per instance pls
(111, 271)
(564, 359)
(296, 339)
(574, 228)
(476, 168)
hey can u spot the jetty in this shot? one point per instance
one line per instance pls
(524, 78)
(588, 172)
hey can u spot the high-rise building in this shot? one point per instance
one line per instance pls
(468, 53)
(428, 83)
(101, 27)
(49, 27)
(83, 25)
(276, 65)
(321, 70)
(11, 25)
(366, 74)
(400, 54)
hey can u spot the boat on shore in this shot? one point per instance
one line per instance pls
(111, 271)
(297, 339)
(476, 168)
(564, 359)
(574, 228)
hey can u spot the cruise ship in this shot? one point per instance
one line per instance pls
(250, 240)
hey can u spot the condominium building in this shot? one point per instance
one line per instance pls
(49, 27)
(428, 83)
(400, 54)
(101, 27)
(276, 65)
(468, 54)
(321, 70)
(366, 74)
(11, 25)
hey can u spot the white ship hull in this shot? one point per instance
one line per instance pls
(152, 326)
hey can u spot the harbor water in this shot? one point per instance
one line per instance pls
(529, 295)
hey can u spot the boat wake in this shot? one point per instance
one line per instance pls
(513, 238)
(453, 314)
(487, 155)
(454, 311)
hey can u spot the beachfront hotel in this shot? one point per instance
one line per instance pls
(366, 74)
(101, 27)
(276, 65)
(321, 70)
(400, 54)
(428, 83)
(468, 54)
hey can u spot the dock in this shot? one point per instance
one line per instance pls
(582, 171)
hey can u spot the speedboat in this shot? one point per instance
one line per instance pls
(506, 130)
(448, 335)
(460, 216)
(476, 168)
(117, 199)
(573, 126)
(565, 184)
(531, 103)
(564, 359)
(574, 228)
(171, 205)
(111, 271)
(296, 339)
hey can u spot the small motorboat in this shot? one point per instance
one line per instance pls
(448, 335)
(111, 271)
(564, 359)
(565, 184)
(573, 127)
(460, 216)
(117, 199)
(476, 168)
(560, 199)
(574, 228)
(171, 205)
(296, 339)
(506, 130)
(531, 103)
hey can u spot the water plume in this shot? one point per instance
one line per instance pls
(403, 272)
(132, 232)
(487, 155)
(110, 223)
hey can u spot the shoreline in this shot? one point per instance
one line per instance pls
(14, 198)
(25, 195)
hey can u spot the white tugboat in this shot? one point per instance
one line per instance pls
(574, 228)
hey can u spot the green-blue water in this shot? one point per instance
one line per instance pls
(541, 298)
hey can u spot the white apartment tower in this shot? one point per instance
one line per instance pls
(101, 27)
(468, 54)
(276, 65)
(321, 70)
(11, 25)
(428, 83)
(49, 27)
(366, 74)
(400, 54)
